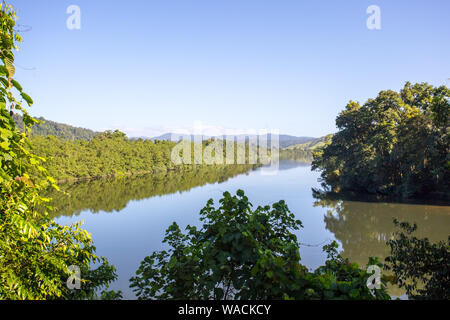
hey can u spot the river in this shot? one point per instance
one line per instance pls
(128, 217)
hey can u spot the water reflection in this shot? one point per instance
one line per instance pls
(288, 164)
(113, 195)
(136, 228)
(363, 228)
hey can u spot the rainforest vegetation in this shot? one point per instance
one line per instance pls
(111, 154)
(300, 155)
(245, 253)
(106, 155)
(397, 144)
(35, 252)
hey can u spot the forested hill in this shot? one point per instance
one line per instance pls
(310, 145)
(52, 128)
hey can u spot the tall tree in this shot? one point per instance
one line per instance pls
(245, 253)
(396, 144)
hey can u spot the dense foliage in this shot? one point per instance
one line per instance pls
(241, 253)
(421, 267)
(111, 154)
(310, 145)
(396, 144)
(46, 127)
(35, 252)
(106, 155)
(299, 155)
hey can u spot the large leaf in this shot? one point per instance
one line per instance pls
(16, 85)
(3, 71)
(27, 98)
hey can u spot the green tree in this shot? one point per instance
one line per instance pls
(111, 154)
(35, 252)
(241, 253)
(397, 144)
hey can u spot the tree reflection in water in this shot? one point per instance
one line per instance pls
(363, 228)
(112, 195)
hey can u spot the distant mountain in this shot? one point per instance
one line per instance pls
(302, 152)
(48, 127)
(284, 139)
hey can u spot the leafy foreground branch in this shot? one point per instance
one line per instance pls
(35, 252)
(241, 253)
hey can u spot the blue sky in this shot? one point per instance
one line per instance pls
(151, 66)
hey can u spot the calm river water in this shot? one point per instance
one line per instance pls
(128, 217)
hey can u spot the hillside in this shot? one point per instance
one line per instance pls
(48, 127)
(302, 151)
(310, 145)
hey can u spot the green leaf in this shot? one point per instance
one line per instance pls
(3, 71)
(218, 293)
(16, 85)
(4, 82)
(27, 98)
(9, 65)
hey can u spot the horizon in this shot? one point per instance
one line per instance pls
(149, 67)
(213, 131)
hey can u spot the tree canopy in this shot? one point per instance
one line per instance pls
(396, 145)
(111, 154)
(245, 253)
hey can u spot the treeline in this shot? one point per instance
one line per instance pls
(112, 154)
(300, 155)
(394, 145)
(51, 128)
(303, 152)
(310, 145)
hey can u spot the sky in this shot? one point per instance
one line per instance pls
(154, 66)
